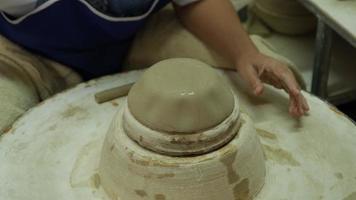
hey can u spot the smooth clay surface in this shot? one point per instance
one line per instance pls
(180, 96)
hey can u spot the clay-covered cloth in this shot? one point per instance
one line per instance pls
(164, 37)
(26, 79)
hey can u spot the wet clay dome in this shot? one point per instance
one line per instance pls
(190, 89)
(180, 135)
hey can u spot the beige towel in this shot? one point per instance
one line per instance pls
(26, 79)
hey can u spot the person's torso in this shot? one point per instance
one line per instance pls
(83, 35)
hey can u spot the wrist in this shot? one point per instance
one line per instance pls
(245, 58)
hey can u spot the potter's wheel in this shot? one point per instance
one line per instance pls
(50, 153)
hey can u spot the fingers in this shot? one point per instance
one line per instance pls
(293, 108)
(305, 104)
(280, 76)
(299, 102)
(293, 89)
(277, 74)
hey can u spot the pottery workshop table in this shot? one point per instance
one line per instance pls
(333, 16)
(53, 150)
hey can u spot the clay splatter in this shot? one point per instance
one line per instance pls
(158, 176)
(337, 111)
(281, 156)
(114, 104)
(145, 161)
(141, 193)
(242, 190)
(160, 197)
(6, 130)
(228, 161)
(168, 175)
(52, 128)
(351, 196)
(137, 161)
(96, 180)
(266, 134)
(73, 111)
(339, 175)
(76, 177)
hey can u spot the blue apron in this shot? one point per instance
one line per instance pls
(75, 34)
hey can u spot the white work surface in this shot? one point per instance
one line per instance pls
(338, 14)
(51, 153)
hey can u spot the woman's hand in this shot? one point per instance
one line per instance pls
(256, 69)
(216, 24)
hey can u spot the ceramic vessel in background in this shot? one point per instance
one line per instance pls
(154, 151)
(285, 16)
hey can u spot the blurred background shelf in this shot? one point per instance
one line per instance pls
(326, 57)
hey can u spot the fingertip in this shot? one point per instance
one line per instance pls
(291, 110)
(295, 111)
(301, 109)
(305, 104)
(258, 89)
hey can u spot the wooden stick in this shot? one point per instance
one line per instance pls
(110, 94)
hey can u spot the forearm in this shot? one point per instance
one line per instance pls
(216, 23)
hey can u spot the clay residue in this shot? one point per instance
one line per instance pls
(74, 111)
(228, 161)
(95, 179)
(160, 197)
(157, 176)
(146, 161)
(76, 177)
(266, 134)
(242, 190)
(114, 104)
(52, 128)
(6, 130)
(337, 111)
(281, 156)
(112, 148)
(141, 193)
(167, 175)
(164, 164)
(339, 175)
(138, 161)
(352, 196)
(182, 140)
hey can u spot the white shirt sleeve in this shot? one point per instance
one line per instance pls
(184, 2)
(17, 7)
